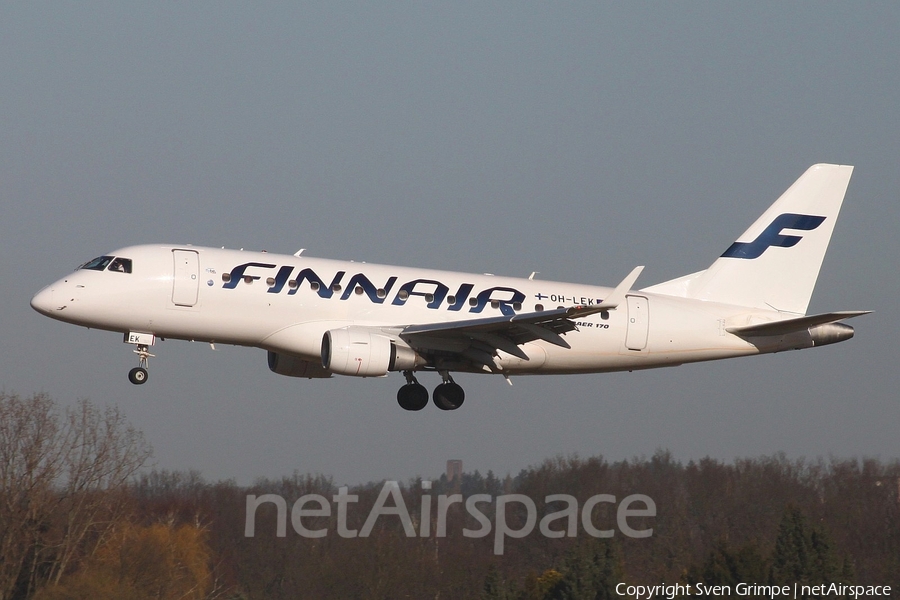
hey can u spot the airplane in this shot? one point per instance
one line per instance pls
(319, 317)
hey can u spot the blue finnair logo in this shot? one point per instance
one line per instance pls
(772, 236)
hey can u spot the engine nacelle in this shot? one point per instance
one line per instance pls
(361, 352)
(293, 366)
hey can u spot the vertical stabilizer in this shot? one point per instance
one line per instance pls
(776, 262)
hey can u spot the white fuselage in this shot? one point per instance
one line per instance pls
(285, 304)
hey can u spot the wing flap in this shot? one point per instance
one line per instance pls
(499, 342)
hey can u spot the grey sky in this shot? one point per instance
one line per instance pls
(568, 138)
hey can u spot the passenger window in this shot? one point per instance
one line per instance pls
(97, 264)
(121, 265)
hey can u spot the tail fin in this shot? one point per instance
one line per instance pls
(776, 262)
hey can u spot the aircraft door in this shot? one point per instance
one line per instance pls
(186, 282)
(638, 323)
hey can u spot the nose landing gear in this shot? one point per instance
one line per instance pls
(138, 375)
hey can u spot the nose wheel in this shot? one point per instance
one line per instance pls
(138, 375)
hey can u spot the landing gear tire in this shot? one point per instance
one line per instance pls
(137, 375)
(448, 396)
(412, 396)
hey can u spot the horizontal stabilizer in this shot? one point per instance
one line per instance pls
(792, 325)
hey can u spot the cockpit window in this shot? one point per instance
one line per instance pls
(97, 264)
(121, 265)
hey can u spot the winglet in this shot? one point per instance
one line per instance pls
(616, 298)
(618, 294)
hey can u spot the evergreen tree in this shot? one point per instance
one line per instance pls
(495, 587)
(725, 566)
(804, 554)
(590, 571)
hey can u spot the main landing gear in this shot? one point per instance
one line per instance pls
(413, 395)
(449, 395)
(138, 375)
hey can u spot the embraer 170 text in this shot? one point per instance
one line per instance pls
(318, 317)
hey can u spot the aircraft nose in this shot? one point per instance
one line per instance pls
(43, 301)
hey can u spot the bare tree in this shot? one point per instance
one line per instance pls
(62, 480)
(31, 455)
(104, 452)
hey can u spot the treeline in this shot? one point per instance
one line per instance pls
(77, 522)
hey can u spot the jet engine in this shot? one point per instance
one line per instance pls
(361, 352)
(293, 366)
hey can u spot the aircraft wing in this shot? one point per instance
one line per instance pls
(478, 340)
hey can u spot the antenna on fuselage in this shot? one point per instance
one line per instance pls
(299, 252)
(533, 273)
